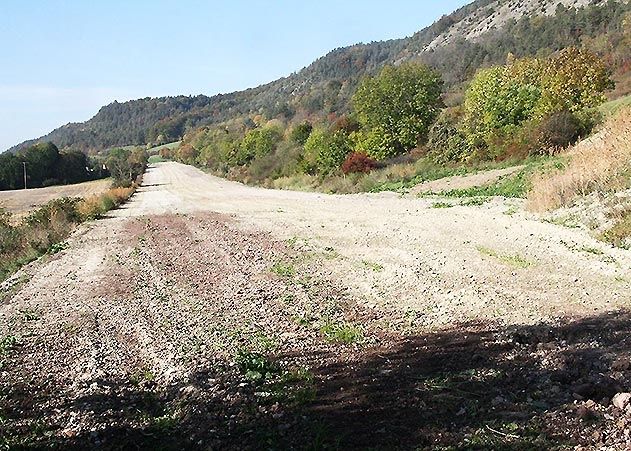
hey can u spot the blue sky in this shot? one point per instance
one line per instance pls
(63, 60)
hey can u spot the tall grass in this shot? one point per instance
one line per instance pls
(600, 164)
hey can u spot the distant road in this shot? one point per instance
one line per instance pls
(22, 201)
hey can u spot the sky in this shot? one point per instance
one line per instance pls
(62, 60)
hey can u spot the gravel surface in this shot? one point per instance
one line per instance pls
(208, 315)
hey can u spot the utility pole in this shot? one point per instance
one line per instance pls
(24, 164)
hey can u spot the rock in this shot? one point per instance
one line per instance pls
(621, 364)
(621, 400)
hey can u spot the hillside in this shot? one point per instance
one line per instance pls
(479, 34)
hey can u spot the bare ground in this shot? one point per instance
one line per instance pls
(382, 323)
(22, 201)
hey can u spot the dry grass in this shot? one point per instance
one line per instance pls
(95, 206)
(599, 164)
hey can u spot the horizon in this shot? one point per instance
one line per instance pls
(82, 69)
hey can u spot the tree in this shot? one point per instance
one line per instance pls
(574, 80)
(397, 107)
(324, 151)
(502, 98)
(72, 167)
(10, 172)
(126, 165)
(41, 160)
(300, 133)
(258, 143)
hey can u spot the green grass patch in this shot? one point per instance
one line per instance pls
(341, 332)
(613, 106)
(516, 261)
(156, 159)
(375, 267)
(283, 269)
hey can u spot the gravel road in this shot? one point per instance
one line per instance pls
(369, 320)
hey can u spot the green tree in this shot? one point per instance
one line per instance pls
(126, 165)
(397, 107)
(325, 151)
(300, 133)
(258, 143)
(10, 172)
(41, 160)
(574, 80)
(72, 167)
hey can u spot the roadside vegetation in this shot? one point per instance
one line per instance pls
(44, 230)
(599, 168)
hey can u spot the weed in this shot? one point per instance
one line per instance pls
(57, 247)
(512, 260)
(620, 234)
(341, 332)
(29, 314)
(255, 366)
(375, 267)
(441, 205)
(281, 269)
(591, 250)
(474, 202)
(511, 211)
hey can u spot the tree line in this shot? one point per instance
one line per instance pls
(45, 165)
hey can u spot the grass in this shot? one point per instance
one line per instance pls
(613, 106)
(153, 159)
(282, 269)
(45, 230)
(399, 177)
(375, 267)
(341, 332)
(515, 261)
(600, 165)
(620, 234)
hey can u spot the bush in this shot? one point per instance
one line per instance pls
(558, 131)
(300, 133)
(324, 152)
(446, 143)
(358, 162)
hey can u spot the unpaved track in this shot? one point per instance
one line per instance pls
(127, 338)
(402, 253)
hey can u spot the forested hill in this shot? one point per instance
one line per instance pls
(479, 34)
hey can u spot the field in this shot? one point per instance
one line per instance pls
(23, 201)
(205, 313)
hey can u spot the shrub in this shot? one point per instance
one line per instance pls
(300, 133)
(446, 143)
(558, 131)
(324, 152)
(358, 162)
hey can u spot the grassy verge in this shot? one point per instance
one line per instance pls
(395, 177)
(44, 230)
(512, 186)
